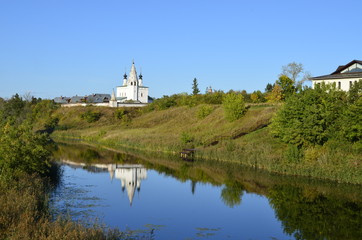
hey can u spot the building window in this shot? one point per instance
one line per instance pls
(131, 83)
(141, 94)
(350, 84)
(339, 85)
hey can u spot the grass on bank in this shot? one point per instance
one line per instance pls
(162, 130)
(246, 141)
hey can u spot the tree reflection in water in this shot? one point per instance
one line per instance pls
(308, 214)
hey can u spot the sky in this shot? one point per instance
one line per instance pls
(53, 48)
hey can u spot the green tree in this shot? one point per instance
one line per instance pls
(195, 88)
(287, 86)
(355, 92)
(351, 122)
(22, 150)
(310, 117)
(15, 109)
(257, 97)
(269, 87)
(275, 95)
(234, 106)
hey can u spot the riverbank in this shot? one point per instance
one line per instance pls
(246, 141)
(25, 213)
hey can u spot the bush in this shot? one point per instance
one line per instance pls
(186, 138)
(293, 154)
(91, 116)
(204, 111)
(234, 106)
(119, 113)
(22, 150)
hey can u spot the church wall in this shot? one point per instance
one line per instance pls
(143, 95)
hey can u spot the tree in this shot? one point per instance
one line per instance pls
(269, 87)
(310, 117)
(21, 149)
(275, 95)
(234, 106)
(195, 88)
(353, 116)
(257, 97)
(293, 71)
(287, 86)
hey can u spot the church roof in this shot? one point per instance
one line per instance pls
(342, 72)
(133, 74)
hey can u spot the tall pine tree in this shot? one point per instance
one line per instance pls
(195, 88)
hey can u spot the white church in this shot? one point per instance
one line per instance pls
(132, 90)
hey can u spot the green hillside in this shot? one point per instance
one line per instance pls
(245, 141)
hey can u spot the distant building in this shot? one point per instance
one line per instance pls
(92, 99)
(98, 98)
(132, 89)
(344, 76)
(132, 93)
(62, 100)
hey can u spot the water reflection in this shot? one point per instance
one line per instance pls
(245, 203)
(130, 175)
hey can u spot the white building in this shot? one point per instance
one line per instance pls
(343, 77)
(132, 89)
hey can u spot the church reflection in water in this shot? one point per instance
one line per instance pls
(130, 175)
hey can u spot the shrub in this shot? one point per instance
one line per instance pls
(22, 150)
(91, 116)
(234, 106)
(204, 111)
(186, 138)
(119, 113)
(293, 154)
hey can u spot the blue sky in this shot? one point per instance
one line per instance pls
(67, 47)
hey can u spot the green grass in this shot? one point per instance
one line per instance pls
(246, 141)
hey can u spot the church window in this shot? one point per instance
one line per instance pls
(141, 94)
(131, 83)
(339, 85)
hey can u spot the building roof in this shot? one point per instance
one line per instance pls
(342, 67)
(337, 74)
(98, 98)
(77, 99)
(61, 100)
(133, 74)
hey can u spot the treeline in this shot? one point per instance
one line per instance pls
(278, 92)
(27, 175)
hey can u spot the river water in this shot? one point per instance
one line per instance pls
(153, 197)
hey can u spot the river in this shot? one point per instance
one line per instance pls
(155, 197)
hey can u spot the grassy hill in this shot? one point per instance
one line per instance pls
(246, 141)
